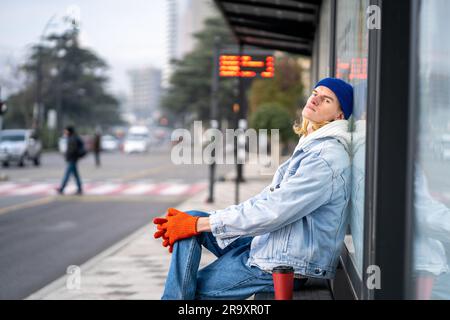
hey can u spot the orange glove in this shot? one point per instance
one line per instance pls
(162, 232)
(178, 225)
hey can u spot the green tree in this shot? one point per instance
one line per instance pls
(285, 89)
(273, 116)
(189, 94)
(20, 111)
(73, 82)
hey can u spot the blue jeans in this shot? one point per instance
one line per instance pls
(228, 277)
(71, 169)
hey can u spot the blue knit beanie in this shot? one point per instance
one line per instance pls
(343, 91)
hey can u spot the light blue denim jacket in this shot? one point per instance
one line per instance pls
(300, 219)
(432, 229)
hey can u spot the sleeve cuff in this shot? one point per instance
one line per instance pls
(218, 230)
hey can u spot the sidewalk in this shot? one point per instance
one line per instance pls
(136, 267)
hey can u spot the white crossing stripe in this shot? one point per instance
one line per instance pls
(8, 187)
(139, 189)
(104, 189)
(71, 189)
(33, 189)
(174, 190)
(130, 189)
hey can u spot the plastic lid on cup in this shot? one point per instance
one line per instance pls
(283, 269)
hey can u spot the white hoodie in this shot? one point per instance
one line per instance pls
(337, 129)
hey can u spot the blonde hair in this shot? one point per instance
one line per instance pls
(302, 130)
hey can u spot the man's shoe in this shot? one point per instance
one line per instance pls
(59, 191)
(79, 193)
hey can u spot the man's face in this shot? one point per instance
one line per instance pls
(322, 105)
(66, 133)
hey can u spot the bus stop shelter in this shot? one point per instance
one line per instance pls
(380, 47)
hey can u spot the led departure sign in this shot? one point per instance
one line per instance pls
(246, 66)
(354, 69)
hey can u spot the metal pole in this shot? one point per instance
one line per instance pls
(3, 177)
(214, 114)
(37, 114)
(58, 127)
(236, 126)
(242, 115)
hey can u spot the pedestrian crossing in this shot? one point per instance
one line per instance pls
(104, 189)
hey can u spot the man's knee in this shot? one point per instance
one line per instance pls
(197, 213)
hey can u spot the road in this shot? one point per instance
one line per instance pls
(41, 233)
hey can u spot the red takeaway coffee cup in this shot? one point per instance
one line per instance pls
(283, 282)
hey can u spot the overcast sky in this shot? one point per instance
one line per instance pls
(126, 33)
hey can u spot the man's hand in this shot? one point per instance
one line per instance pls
(175, 226)
(161, 232)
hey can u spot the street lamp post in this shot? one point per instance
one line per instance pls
(240, 126)
(56, 74)
(3, 109)
(215, 123)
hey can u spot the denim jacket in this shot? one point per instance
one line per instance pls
(300, 219)
(432, 229)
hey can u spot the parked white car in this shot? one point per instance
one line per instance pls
(18, 146)
(136, 143)
(109, 143)
(137, 140)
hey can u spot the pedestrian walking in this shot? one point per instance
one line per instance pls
(97, 148)
(75, 150)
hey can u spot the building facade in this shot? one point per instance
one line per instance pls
(145, 96)
(171, 33)
(191, 21)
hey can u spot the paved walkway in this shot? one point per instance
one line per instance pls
(136, 267)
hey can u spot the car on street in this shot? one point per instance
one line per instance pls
(137, 140)
(109, 143)
(136, 143)
(19, 146)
